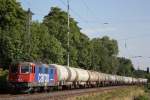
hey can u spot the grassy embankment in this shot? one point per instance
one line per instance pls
(146, 95)
(128, 93)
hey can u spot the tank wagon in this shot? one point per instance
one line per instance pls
(28, 76)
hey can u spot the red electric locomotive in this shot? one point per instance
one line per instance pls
(27, 76)
(21, 74)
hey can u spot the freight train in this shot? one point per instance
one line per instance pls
(28, 76)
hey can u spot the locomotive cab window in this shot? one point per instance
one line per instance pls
(26, 69)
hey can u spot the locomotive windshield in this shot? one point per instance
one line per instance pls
(26, 69)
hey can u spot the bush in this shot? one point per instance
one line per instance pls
(3, 80)
(147, 88)
(142, 97)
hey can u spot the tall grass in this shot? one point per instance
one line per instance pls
(128, 93)
(146, 95)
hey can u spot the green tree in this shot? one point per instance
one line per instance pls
(84, 55)
(104, 53)
(11, 14)
(12, 22)
(125, 67)
(56, 21)
(43, 46)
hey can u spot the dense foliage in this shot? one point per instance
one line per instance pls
(48, 42)
(3, 80)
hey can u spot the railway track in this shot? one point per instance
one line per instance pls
(57, 95)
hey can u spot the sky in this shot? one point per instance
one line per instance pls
(128, 21)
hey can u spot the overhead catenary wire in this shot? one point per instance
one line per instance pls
(91, 11)
(88, 8)
(81, 18)
(28, 3)
(73, 11)
(136, 37)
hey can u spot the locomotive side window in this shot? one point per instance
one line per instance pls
(26, 69)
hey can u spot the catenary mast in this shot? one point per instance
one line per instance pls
(29, 28)
(68, 53)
